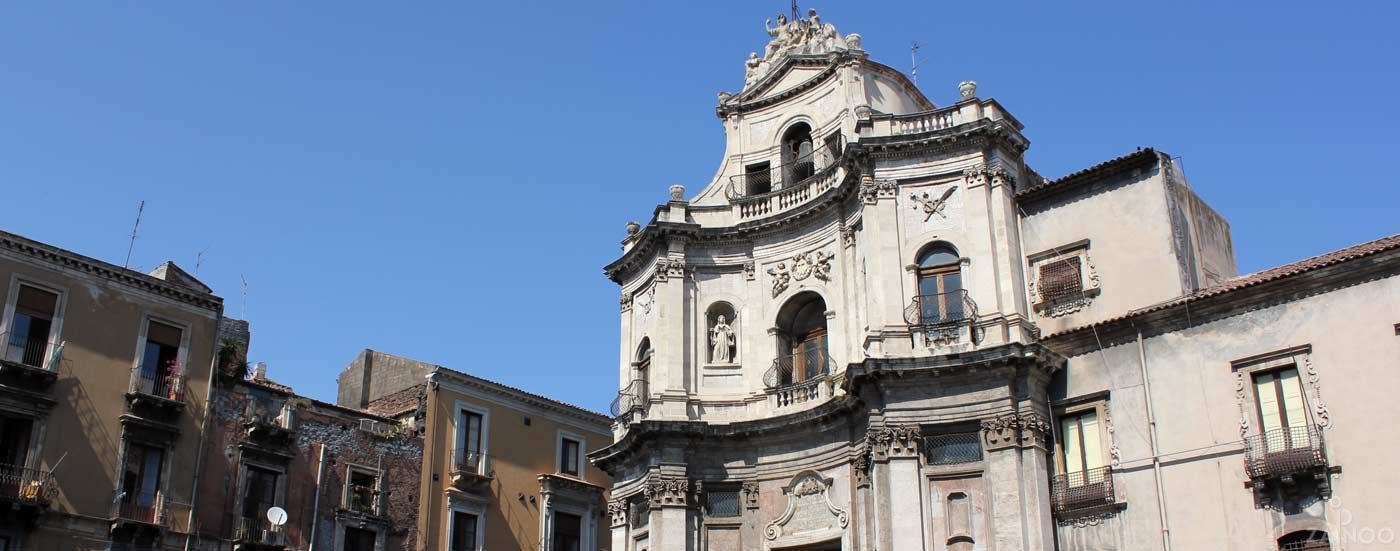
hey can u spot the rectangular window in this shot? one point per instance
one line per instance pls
(1060, 281)
(469, 438)
(758, 179)
(141, 482)
(1283, 419)
(361, 490)
(722, 503)
(359, 539)
(568, 530)
(1080, 446)
(160, 361)
(953, 448)
(259, 492)
(464, 528)
(568, 456)
(28, 339)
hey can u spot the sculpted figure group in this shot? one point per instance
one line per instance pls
(802, 36)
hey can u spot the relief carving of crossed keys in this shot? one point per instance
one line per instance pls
(930, 205)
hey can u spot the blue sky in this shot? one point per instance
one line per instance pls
(444, 181)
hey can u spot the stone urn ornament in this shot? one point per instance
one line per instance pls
(967, 88)
(677, 192)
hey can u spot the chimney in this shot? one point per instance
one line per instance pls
(260, 371)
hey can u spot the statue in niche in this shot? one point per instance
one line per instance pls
(722, 342)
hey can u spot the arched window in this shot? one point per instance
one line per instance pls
(643, 361)
(802, 340)
(797, 154)
(941, 296)
(1305, 540)
(722, 334)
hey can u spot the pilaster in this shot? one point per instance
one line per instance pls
(1015, 474)
(895, 452)
(669, 498)
(617, 515)
(884, 280)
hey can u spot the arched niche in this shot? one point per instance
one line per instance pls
(722, 334)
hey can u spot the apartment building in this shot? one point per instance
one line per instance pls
(502, 468)
(104, 390)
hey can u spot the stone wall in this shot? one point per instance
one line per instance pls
(373, 375)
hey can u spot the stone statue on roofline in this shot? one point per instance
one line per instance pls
(799, 36)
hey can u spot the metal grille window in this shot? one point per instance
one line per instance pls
(1060, 280)
(722, 503)
(953, 448)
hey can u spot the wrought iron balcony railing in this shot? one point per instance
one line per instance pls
(786, 176)
(259, 531)
(632, 397)
(470, 462)
(167, 383)
(151, 508)
(1285, 451)
(1082, 491)
(26, 485)
(797, 369)
(31, 351)
(941, 310)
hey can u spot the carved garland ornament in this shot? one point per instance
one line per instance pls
(1015, 429)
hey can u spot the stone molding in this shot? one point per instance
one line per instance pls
(1025, 430)
(667, 268)
(808, 491)
(102, 270)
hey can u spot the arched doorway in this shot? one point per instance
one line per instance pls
(802, 340)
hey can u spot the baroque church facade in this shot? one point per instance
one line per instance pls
(878, 328)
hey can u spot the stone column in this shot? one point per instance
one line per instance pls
(895, 452)
(1007, 246)
(617, 513)
(864, 528)
(668, 498)
(1015, 475)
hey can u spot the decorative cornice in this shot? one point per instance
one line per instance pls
(96, 268)
(598, 421)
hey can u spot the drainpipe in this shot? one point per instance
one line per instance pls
(316, 502)
(204, 428)
(1152, 438)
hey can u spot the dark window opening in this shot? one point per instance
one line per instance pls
(758, 179)
(362, 491)
(1060, 281)
(469, 457)
(359, 539)
(259, 492)
(28, 341)
(953, 448)
(568, 532)
(1305, 541)
(797, 154)
(722, 503)
(463, 531)
(568, 457)
(141, 482)
(160, 361)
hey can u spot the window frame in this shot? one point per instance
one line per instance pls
(559, 438)
(459, 433)
(181, 357)
(350, 470)
(468, 506)
(1297, 357)
(1089, 286)
(55, 325)
(1098, 404)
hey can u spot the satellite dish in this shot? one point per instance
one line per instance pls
(277, 516)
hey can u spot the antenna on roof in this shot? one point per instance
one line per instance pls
(139, 208)
(243, 309)
(199, 259)
(914, 62)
